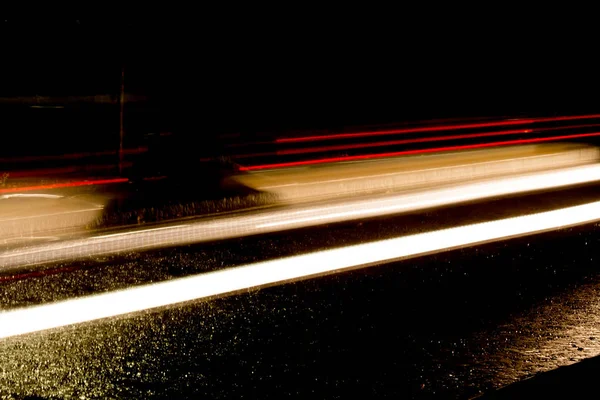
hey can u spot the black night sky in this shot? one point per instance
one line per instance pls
(209, 77)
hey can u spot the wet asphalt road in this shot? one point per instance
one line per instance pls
(453, 325)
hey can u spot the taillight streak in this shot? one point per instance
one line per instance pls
(414, 152)
(434, 128)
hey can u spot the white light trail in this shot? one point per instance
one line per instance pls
(218, 283)
(299, 216)
(30, 195)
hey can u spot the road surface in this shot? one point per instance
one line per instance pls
(452, 324)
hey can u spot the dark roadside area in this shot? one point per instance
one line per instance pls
(577, 381)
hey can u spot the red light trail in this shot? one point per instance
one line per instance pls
(413, 152)
(398, 142)
(435, 128)
(64, 185)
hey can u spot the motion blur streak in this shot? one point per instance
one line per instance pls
(398, 142)
(64, 185)
(413, 152)
(31, 196)
(300, 216)
(436, 128)
(218, 283)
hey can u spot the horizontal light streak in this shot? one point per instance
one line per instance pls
(30, 196)
(399, 142)
(414, 152)
(439, 128)
(299, 216)
(231, 280)
(64, 185)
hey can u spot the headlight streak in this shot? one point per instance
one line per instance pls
(291, 218)
(232, 280)
(33, 196)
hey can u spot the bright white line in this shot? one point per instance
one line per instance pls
(54, 315)
(292, 217)
(30, 195)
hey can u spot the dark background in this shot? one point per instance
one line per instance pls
(222, 73)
